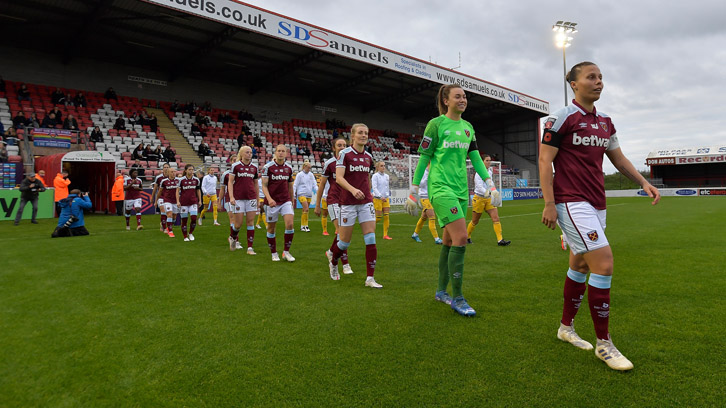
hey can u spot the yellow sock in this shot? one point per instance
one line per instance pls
(264, 220)
(470, 229)
(419, 225)
(214, 211)
(257, 221)
(432, 228)
(498, 230)
(304, 219)
(386, 224)
(378, 219)
(324, 221)
(204, 210)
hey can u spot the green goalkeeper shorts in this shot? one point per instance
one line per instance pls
(449, 209)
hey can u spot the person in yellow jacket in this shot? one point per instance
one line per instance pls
(117, 193)
(60, 183)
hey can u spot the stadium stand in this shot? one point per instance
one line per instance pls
(306, 139)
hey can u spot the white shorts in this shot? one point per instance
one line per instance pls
(130, 204)
(227, 207)
(169, 207)
(273, 213)
(583, 226)
(188, 209)
(245, 206)
(363, 212)
(160, 203)
(334, 212)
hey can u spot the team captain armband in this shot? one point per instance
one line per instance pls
(473, 146)
(613, 144)
(551, 138)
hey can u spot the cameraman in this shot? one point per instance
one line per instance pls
(29, 190)
(70, 221)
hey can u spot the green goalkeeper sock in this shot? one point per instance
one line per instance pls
(456, 269)
(444, 268)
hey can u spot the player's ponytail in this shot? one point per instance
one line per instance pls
(444, 94)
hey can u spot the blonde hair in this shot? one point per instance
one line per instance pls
(239, 153)
(353, 129)
(444, 94)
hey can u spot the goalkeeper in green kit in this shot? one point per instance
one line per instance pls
(447, 141)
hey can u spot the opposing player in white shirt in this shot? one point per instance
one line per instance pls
(209, 194)
(381, 184)
(483, 202)
(427, 211)
(303, 189)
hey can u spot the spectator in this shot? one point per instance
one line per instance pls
(257, 141)
(2, 132)
(110, 94)
(139, 168)
(397, 145)
(175, 106)
(135, 119)
(33, 120)
(80, 100)
(2, 84)
(19, 121)
(97, 135)
(147, 151)
(60, 183)
(152, 122)
(120, 123)
(224, 118)
(29, 190)
(203, 150)
(70, 220)
(58, 114)
(40, 175)
(23, 93)
(169, 155)
(49, 121)
(254, 153)
(207, 106)
(155, 154)
(303, 135)
(11, 137)
(68, 101)
(117, 193)
(57, 96)
(70, 123)
(241, 139)
(4, 156)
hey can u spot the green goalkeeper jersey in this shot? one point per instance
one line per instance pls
(447, 142)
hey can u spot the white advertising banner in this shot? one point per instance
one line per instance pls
(284, 28)
(688, 155)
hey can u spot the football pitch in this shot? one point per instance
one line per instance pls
(127, 318)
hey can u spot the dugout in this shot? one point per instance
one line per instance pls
(241, 56)
(90, 171)
(689, 167)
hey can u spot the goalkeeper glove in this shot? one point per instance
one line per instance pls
(493, 193)
(413, 202)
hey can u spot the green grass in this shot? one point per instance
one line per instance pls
(137, 319)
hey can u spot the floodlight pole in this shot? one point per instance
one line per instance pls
(564, 71)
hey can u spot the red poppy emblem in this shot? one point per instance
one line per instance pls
(547, 137)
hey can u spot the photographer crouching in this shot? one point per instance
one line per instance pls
(70, 220)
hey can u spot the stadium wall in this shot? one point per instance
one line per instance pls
(83, 73)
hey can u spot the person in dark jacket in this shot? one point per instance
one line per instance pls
(70, 220)
(29, 190)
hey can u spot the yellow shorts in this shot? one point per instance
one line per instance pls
(323, 204)
(207, 198)
(426, 204)
(304, 199)
(380, 204)
(481, 204)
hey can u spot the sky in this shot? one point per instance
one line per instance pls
(663, 62)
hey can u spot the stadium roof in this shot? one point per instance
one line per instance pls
(235, 43)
